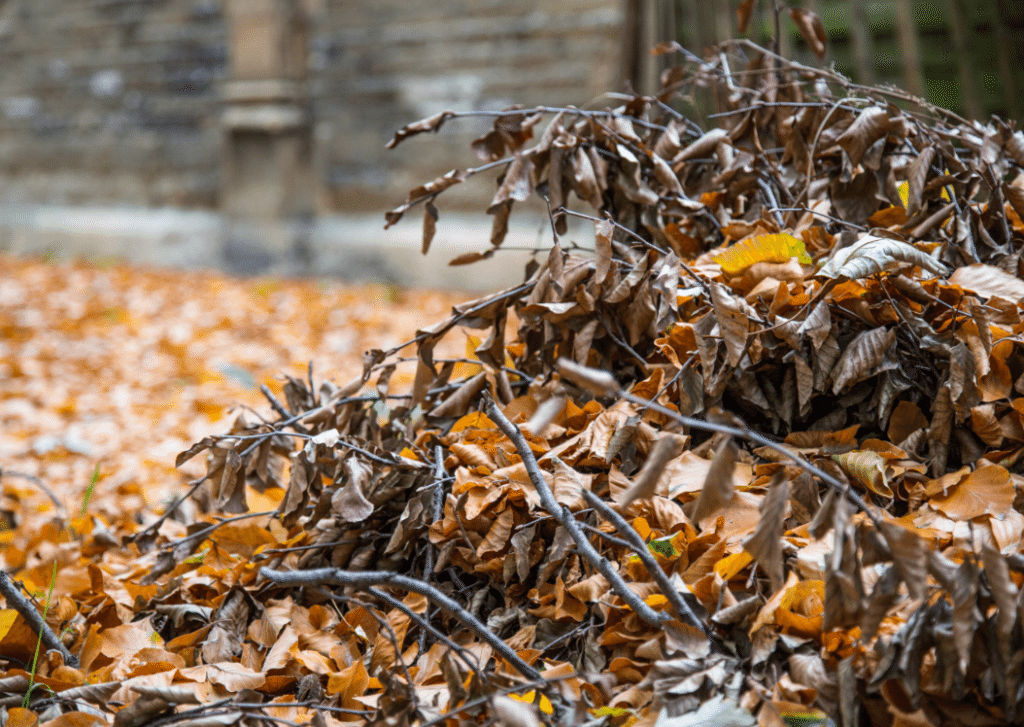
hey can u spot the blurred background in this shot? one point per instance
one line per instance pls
(248, 135)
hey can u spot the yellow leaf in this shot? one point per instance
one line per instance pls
(7, 618)
(774, 248)
(474, 420)
(529, 697)
(409, 454)
(732, 565)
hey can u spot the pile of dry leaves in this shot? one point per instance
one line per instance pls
(753, 459)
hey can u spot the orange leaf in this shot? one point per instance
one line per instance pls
(987, 490)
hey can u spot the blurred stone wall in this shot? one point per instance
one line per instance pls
(378, 64)
(117, 102)
(110, 101)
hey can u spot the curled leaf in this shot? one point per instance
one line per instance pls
(869, 468)
(874, 254)
(811, 29)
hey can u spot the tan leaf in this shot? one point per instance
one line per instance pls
(603, 232)
(869, 468)
(432, 124)
(817, 325)
(870, 125)
(718, 485)
(985, 424)
(743, 11)
(733, 320)
(965, 611)
(965, 495)
(349, 503)
(429, 226)
(1004, 593)
(497, 537)
(666, 449)
(863, 355)
(988, 281)
(765, 543)
(906, 419)
(812, 30)
(568, 485)
(910, 554)
(940, 429)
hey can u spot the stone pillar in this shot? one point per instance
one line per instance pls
(267, 179)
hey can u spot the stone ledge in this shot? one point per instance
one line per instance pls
(348, 247)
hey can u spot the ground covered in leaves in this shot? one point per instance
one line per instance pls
(111, 372)
(754, 457)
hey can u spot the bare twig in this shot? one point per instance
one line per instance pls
(437, 510)
(566, 519)
(12, 595)
(38, 483)
(638, 546)
(210, 528)
(153, 527)
(369, 579)
(604, 381)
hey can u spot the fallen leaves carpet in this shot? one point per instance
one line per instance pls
(111, 372)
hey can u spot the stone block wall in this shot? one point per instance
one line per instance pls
(110, 101)
(119, 101)
(379, 65)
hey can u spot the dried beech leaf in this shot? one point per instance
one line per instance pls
(603, 232)
(718, 485)
(988, 281)
(432, 124)
(910, 554)
(987, 490)
(872, 255)
(429, 226)
(349, 503)
(868, 468)
(765, 543)
(817, 325)
(1005, 594)
(735, 325)
(870, 125)
(743, 11)
(863, 355)
(812, 30)
(666, 449)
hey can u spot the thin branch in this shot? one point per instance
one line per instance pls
(566, 519)
(638, 546)
(209, 529)
(368, 579)
(12, 595)
(437, 510)
(424, 624)
(38, 483)
(604, 381)
(153, 527)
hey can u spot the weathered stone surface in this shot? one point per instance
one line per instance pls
(119, 101)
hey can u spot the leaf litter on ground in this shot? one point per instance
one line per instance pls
(754, 458)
